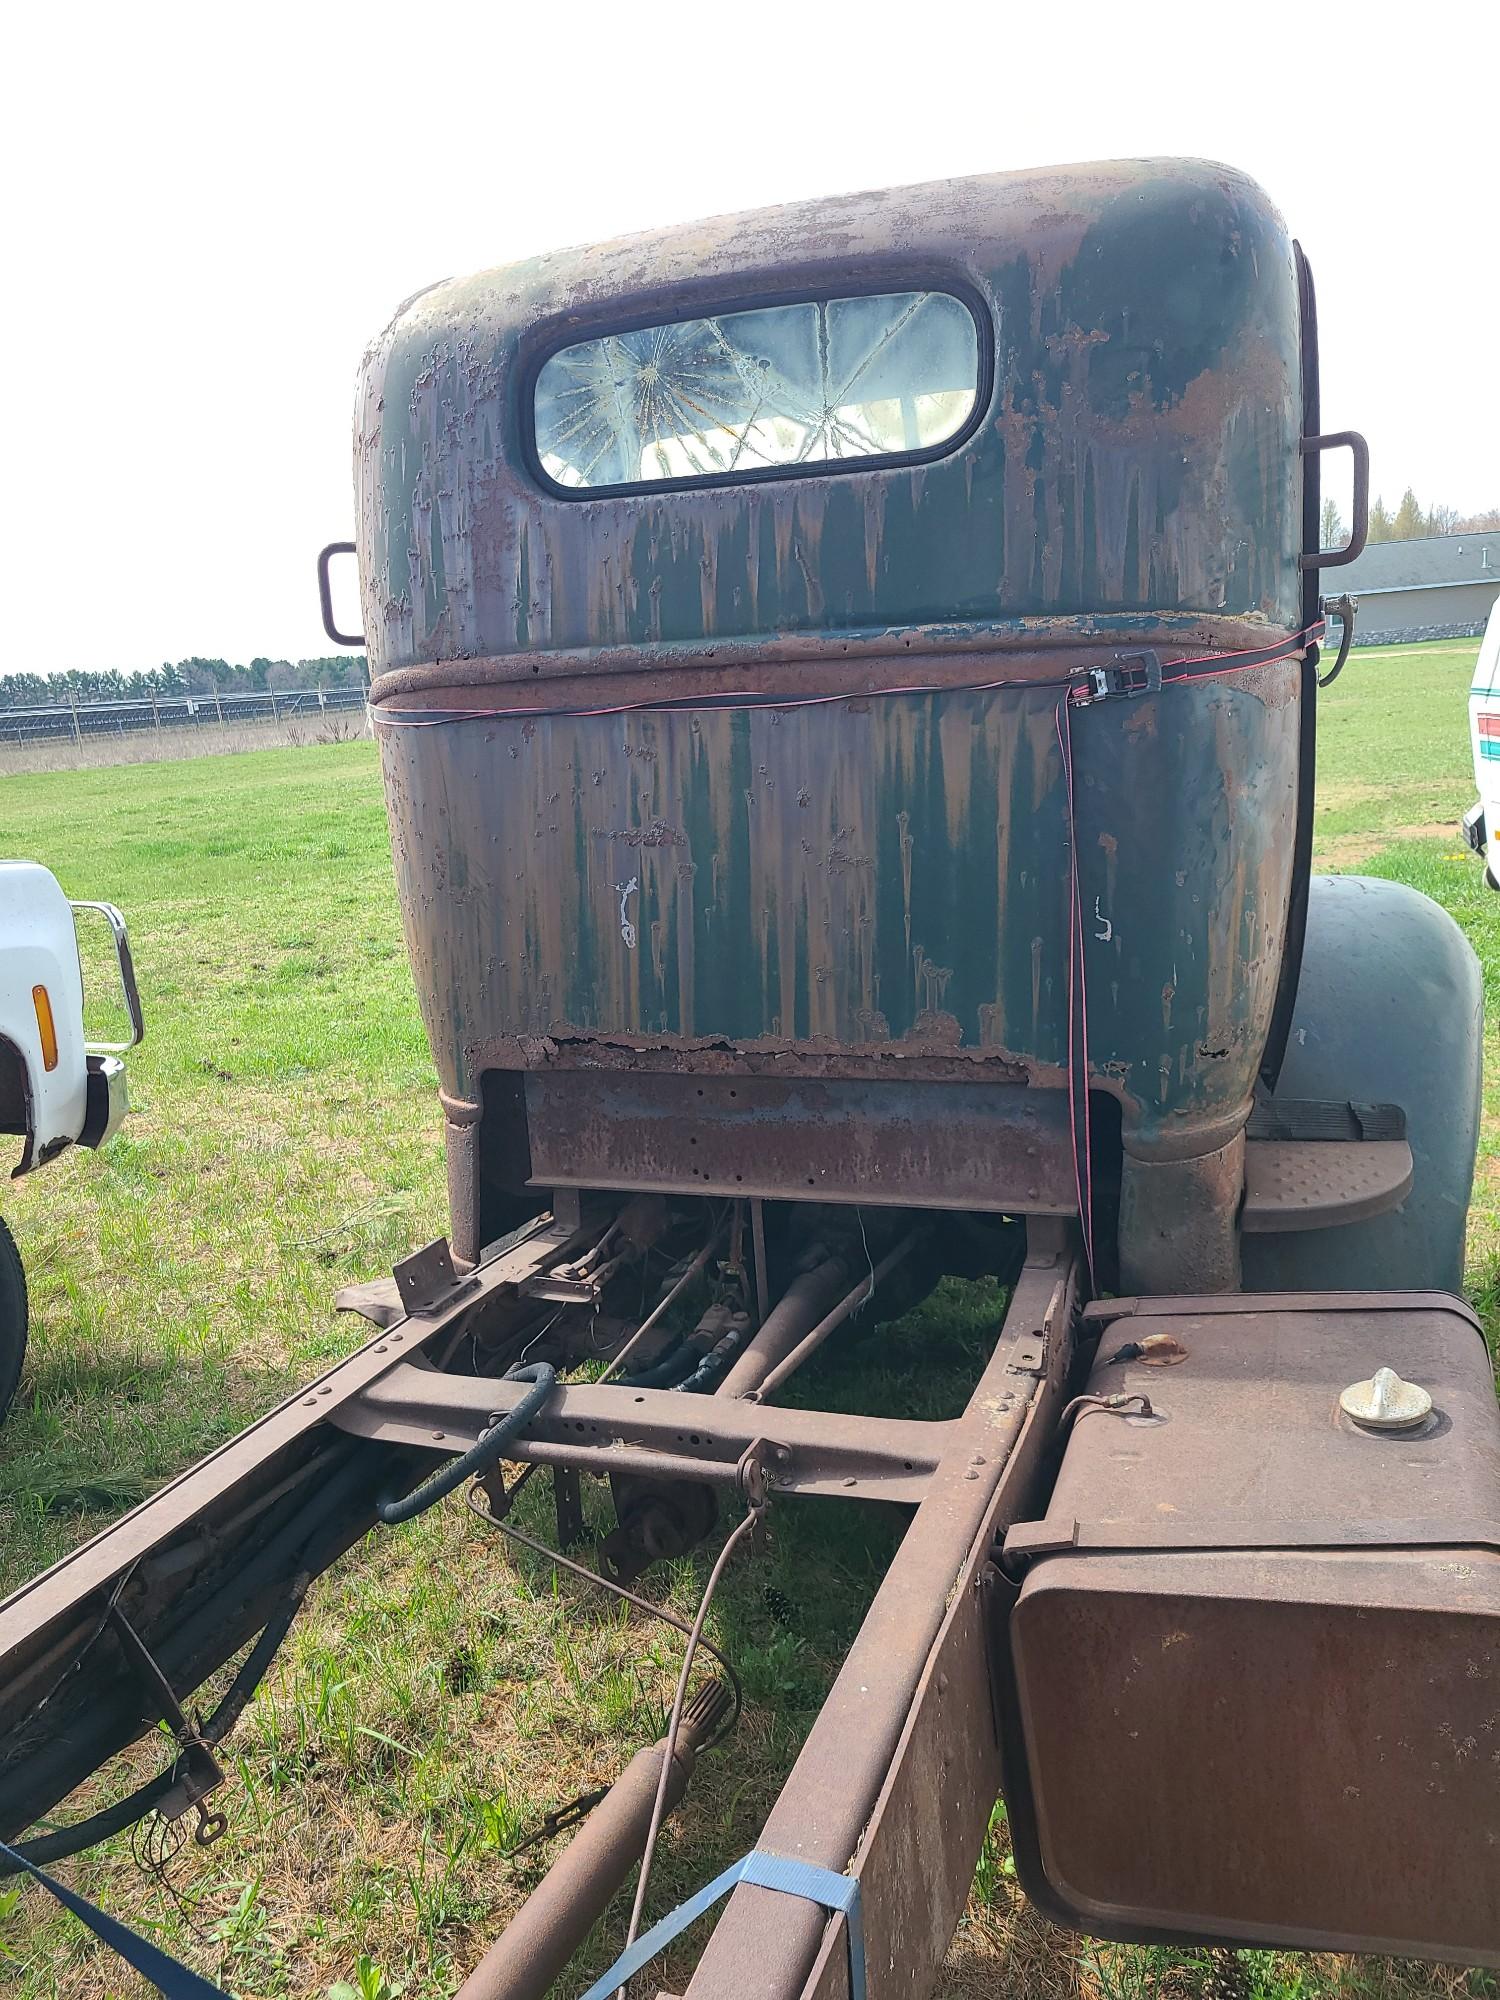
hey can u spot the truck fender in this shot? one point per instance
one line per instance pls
(39, 948)
(1389, 1010)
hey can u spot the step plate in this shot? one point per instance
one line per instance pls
(1308, 1184)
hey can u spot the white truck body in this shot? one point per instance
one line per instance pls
(56, 1088)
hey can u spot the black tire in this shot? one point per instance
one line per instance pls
(12, 1318)
(1489, 878)
(1389, 1011)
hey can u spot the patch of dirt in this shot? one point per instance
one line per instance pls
(1337, 795)
(1347, 850)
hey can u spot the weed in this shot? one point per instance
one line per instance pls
(369, 1983)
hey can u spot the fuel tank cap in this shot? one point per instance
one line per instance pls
(1385, 1402)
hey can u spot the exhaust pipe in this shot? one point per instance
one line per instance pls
(534, 1948)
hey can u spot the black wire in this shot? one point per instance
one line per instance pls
(98, 1826)
(105, 1617)
(135, 1805)
(65, 1841)
(154, 1846)
(482, 1513)
(115, 1717)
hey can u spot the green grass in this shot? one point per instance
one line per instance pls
(1395, 775)
(1393, 749)
(443, 1689)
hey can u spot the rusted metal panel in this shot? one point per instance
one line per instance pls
(1179, 1218)
(1257, 1614)
(881, 879)
(1138, 450)
(915, 1864)
(938, 1145)
(610, 1428)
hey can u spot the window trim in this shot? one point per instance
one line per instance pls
(580, 332)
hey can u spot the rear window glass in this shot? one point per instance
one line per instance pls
(770, 390)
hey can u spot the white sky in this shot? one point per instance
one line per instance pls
(210, 209)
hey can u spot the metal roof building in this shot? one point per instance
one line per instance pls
(1441, 587)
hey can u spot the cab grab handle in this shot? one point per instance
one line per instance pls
(1335, 558)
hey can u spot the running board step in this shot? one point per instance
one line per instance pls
(1320, 1184)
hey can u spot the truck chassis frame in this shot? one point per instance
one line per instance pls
(897, 1779)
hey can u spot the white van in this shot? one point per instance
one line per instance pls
(1482, 820)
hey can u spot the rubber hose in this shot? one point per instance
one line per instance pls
(714, 1366)
(107, 1719)
(69, 1840)
(481, 1455)
(681, 1360)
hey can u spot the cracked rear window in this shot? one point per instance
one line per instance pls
(828, 381)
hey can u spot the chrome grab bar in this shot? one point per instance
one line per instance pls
(128, 986)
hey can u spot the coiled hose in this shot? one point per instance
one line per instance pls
(485, 1452)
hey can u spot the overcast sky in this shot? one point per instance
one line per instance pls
(211, 209)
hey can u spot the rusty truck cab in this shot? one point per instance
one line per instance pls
(728, 591)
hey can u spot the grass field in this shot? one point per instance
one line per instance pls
(440, 1693)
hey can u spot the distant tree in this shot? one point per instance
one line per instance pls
(1410, 523)
(334, 670)
(24, 690)
(201, 676)
(1441, 520)
(194, 676)
(1332, 533)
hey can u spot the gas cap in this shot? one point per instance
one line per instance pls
(1385, 1402)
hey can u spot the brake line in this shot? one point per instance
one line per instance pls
(695, 1637)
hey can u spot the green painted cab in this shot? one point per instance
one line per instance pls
(733, 593)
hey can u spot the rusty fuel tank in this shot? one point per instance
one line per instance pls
(732, 745)
(1255, 1659)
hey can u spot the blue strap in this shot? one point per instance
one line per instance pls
(168, 1975)
(762, 1871)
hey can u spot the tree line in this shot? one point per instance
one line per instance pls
(1411, 521)
(170, 682)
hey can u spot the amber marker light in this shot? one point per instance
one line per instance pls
(46, 1025)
